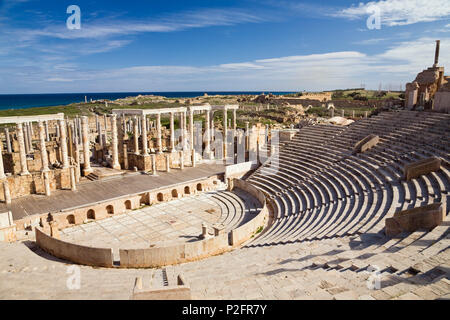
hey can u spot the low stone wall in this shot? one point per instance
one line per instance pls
(163, 256)
(425, 217)
(249, 229)
(366, 143)
(238, 170)
(96, 257)
(425, 166)
(157, 256)
(33, 183)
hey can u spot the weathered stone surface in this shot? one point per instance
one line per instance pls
(366, 143)
(425, 166)
(425, 217)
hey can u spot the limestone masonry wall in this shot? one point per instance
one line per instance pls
(34, 183)
(247, 230)
(96, 257)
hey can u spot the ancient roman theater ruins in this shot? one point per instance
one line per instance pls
(206, 210)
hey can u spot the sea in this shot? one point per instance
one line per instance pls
(23, 101)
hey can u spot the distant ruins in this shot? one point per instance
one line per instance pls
(431, 88)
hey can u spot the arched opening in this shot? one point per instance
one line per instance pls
(71, 219)
(91, 214)
(174, 193)
(187, 190)
(128, 205)
(110, 209)
(160, 197)
(144, 199)
(199, 187)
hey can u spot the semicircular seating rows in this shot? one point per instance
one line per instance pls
(237, 207)
(319, 189)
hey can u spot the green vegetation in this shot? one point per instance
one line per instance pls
(364, 95)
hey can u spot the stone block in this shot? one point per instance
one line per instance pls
(366, 143)
(173, 291)
(425, 166)
(425, 217)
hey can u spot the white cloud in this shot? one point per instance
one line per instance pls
(113, 27)
(401, 12)
(396, 65)
(370, 41)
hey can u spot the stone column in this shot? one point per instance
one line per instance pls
(144, 136)
(181, 159)
(22, 153)
(8, 141)
(73, 185)
(124, 126)
(172, 132)
(7, 191)
(436, 53)
(80, 132)
(154, 164)
(136, 135)
(115, 143)
(168, 155)
(57, 130)
(97, 123)
(105, 121)
(183, 128)
(46, 183)
(212, 128)
(31, 130)
(44, 155)
(247, 136)
(234, 121)
(30, 137)
(47, 135)
(70, 138)
(191, 129)
(125, 157)
(158, 137)
(2, 169)
(77, 158)
(86, 151)
(225, 134)
(63, 141)
(25, 138)
(208, 135)
(193, 158)
(100, 136)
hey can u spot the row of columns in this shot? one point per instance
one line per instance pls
(24, 133)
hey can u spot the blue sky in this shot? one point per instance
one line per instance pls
(217, 45)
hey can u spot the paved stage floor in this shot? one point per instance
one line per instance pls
(162, 224)
(101, 190)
